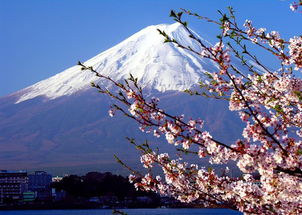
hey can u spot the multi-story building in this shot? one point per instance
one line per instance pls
(39, 182)
(12, 185)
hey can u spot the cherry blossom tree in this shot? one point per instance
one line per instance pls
(269, 103)
(295, 5)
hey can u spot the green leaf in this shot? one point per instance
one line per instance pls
(173, 14)
(209, 75)
(213, 82)
(179, 14)
(298, 94)
(271, 100)
(278, 108)
(233, 34)
(162, 32)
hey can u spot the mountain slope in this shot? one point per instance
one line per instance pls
(157, 66)
(61, 122)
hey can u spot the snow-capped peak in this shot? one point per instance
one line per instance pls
(157, 65)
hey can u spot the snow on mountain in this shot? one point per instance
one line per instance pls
(52, 130)
(157, 65)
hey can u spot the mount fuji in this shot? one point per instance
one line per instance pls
(62, 123)
(157, 66)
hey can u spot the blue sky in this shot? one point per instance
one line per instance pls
(40, 38)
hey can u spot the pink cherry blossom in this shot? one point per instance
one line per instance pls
(269, 104)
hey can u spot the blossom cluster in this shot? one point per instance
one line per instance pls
(291, 56)
(269, 106)
(272, 38)
(295, 51)
(269, 103)
(295, 5)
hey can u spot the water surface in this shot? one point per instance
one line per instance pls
(129, 211)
